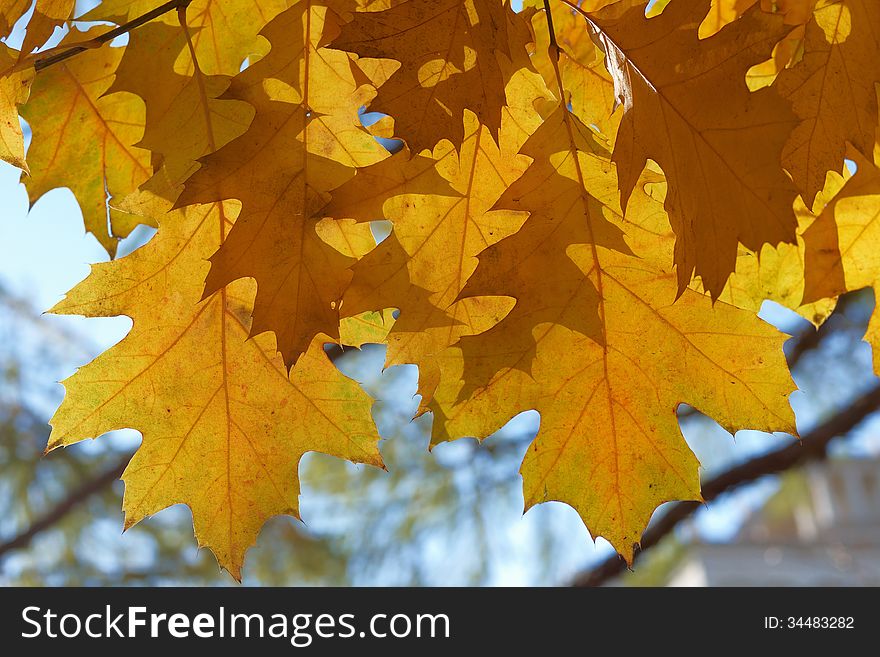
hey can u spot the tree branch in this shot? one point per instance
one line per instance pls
(41, 60)
(812, 338)
(78, 496)
(550, 27)
(811, 447)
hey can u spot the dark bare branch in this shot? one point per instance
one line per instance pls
(76, 497)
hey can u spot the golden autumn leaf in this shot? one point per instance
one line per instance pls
(449, 53)
(841, 245)
(832, 91)
(77, 126)
(180, 126)
(14, 91)
(718, 143)
(48, 14)
(304, 141)
(563, 211)
(785, 53)
(777, 274)
(10, 12)
(366, 328)
(609, 443)
(224, 33)
(724, 12)
(582, 66)
(228, 442)
(439, 207)
(224, 426)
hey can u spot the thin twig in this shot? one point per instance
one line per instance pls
(550, 27)
(46, 58)
(556, 52)
(812, 447)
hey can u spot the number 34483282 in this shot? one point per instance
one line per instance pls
(809, 622)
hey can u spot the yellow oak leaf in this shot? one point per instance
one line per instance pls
(440, 207)
(48, 14)
(10, 12)
(582, 66)
(718, 143)
(724, 12)
(832, 91)
(556, 193)
(371, 327)
(180, 126)
(776, 274)
(841, 245)
(14, 90)
(304, 141)
(607, 362)
(84, 139)
(224, 33)
(785, 53)
(224, 425)
(423, 329)
(225, 431)
(449, 52)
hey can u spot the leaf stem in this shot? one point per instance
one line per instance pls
(550, 27)
(554, 47)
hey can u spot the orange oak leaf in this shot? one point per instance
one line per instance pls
(609, 443)
(718, 143)
(225, 34)
(48, 14)
(449, 52)
(832, 91)
(305, 140)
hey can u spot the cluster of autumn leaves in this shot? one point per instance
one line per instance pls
(584, 225)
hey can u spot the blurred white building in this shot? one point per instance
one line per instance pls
(822, 531)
